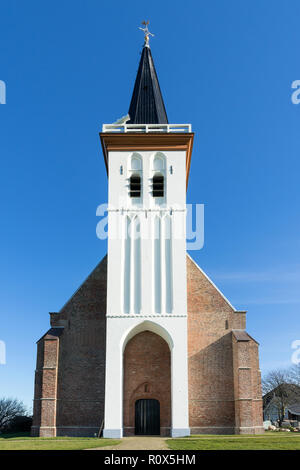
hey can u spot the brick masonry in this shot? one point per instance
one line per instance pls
(79, 386)
(224, 377)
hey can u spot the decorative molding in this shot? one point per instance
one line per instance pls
(138, 315)
(133, 209)
(77, 427)
(145, 128)
(137, 142)
(44, 427)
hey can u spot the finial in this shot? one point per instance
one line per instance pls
(146, 32)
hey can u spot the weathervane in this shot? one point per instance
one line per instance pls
(146, 32)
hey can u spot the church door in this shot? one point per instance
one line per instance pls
(147, 417)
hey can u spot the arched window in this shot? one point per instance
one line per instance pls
(135, 186)
(158, 185)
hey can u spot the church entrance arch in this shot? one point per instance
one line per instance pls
(147, 385)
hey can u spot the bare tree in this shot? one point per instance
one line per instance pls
(280, 391)
(295, 374)
(9, 409)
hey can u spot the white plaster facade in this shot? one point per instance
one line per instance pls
(146, 284)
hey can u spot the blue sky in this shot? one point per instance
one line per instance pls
(224, 66)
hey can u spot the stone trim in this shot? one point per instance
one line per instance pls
(215, 430)
(113, 433)
(40, 399)
(44, 427)
(180, 432)
(159, 315)
(76, 427)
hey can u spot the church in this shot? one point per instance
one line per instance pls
(147, 345)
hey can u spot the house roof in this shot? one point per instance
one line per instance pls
(294, 409)
(147, 105)
(284, 389)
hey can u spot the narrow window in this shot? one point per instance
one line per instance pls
(135, 186)
(158, 186)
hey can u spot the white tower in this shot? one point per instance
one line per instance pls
(147, 161)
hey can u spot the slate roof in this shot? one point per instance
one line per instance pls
(52, 333)
(147, 105)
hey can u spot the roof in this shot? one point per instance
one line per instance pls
(147, 105)
(294, 409)
(53, 333)
(283, 389)
(242, 335)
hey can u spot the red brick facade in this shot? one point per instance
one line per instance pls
(76, 389)
(224, 378)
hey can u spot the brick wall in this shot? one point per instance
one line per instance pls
(81, 361)
(218, 383)
(224, 377)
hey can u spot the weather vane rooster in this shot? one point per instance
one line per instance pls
(146, 32)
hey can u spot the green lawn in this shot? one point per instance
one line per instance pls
(267, 441)
(23, 441)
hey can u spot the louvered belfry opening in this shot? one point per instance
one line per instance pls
(158, 186)
(135, 186)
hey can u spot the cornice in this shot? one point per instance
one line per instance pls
(148, 141)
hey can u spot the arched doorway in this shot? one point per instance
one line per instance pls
(147, 385)
(147, 417)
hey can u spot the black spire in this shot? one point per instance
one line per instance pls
(147, 105)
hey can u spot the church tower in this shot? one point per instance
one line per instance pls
(147, 345)
(147, 161)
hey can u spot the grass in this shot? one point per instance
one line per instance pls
(22, 441)
(267, 441)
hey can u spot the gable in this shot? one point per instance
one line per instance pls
(203, 295)
(88, 300)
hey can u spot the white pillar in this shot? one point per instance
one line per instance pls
(113, 415)
(179, 378)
